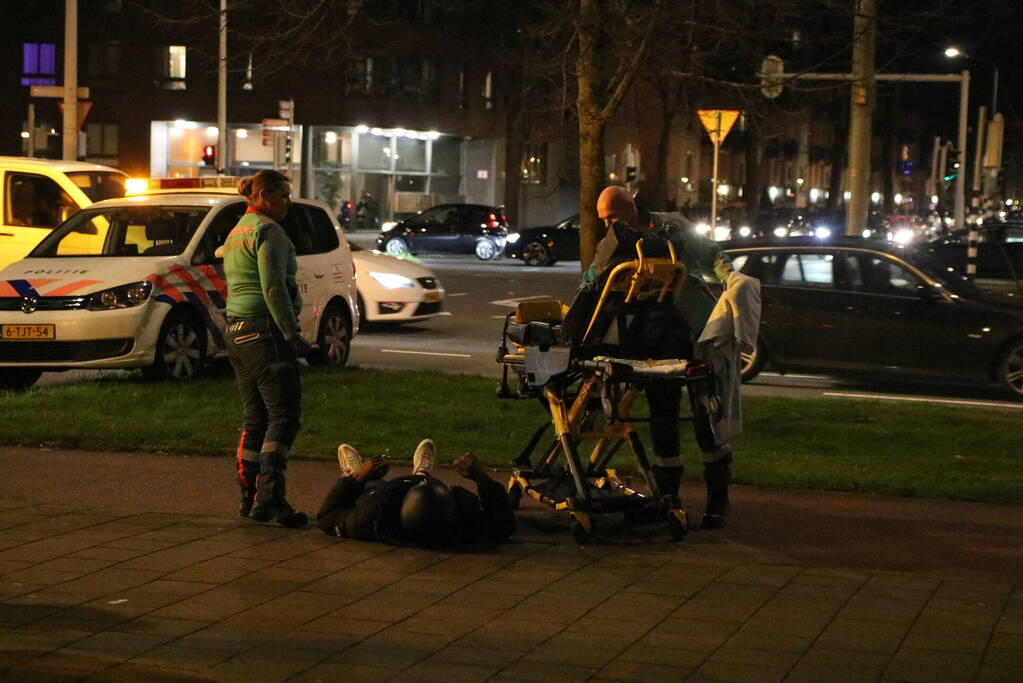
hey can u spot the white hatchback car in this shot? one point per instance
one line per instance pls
(136, 283)
(394, 290)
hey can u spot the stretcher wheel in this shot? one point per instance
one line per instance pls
(515, 495)
(678, 524)
(582, 533)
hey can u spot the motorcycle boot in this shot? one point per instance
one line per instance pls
(669, 483)
(717, 474)
(270, 502)
(248, 471)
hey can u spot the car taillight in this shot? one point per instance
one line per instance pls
(492, 221)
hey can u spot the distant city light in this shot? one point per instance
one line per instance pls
(684, 180)
(330, 138)
(212, 131)
(952, 52)
(875, 197)
(773, 192)
(362, 128)
(723, 190)
(182, 123)
(815, 194)
(898, 199)
(241, 133)
(24, 134)
(799, 181)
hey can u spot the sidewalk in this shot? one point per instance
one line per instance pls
(132, 567)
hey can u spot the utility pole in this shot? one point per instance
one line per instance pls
(70, 126)
(222, 91)
(861, 114)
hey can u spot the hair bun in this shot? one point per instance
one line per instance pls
(245, 187)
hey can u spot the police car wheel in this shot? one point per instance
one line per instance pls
(18, 379)
(335, 336)
(180, 349)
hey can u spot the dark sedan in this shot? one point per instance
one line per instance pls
(545, 245)
(852, 306)
(999, 251)
(453, 228)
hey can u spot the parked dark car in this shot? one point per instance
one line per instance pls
(453, 228)
(547, 244)
(999, 250)
(855, 306)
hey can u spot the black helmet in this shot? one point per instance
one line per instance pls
(428, 513)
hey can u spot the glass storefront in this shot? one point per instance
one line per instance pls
(387, 173)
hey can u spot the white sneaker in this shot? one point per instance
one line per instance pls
(348, 459)
(423, 458)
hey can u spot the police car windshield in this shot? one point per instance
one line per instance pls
(123, 231)
(99, 185)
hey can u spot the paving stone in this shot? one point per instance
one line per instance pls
(859, 635)
(174, 628)
(483, 657)
(512, 634)
(331, 672)
(739, 673)
(545, 672)
(734, 654)
(174, 656)
(997, 673)
(446, 671)
(344, 627)
(619, 670)
(1003, 654)
(881, 609)
(245, 671)
(74, 662)
(580, 649)
(932, 665)
(775, 642)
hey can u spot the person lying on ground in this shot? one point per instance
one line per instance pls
(418, 509)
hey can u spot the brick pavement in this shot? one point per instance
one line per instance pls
(120, 593)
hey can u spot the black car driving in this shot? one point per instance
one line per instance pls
(547, 244)
(857, 306)
(453, 228)
(999, 250)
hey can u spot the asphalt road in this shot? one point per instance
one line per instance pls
(480, 294)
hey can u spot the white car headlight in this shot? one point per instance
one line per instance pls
(702, 228)
(513, 238)
(124, 296)
(903, 236)
(721, 233)
(822, 233)
(781, 231)
(392, 280)
(745, 231)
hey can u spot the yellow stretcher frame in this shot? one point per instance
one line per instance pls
(600, 407)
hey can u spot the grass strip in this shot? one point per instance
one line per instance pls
(913, 450)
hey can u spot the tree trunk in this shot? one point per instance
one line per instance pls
(754, 157)
(512, 182)
(591, 182)
(839, 147)
(591, 130)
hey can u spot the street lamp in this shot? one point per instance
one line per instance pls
(953, 52)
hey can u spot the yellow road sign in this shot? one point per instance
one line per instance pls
(718, 122)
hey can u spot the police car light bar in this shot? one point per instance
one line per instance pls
(144, 185)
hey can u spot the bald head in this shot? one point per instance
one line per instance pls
(615, 204)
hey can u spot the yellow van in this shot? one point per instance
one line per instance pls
(38, 194)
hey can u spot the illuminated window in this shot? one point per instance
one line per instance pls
(534, 163)
(39, 64)
(171, 62)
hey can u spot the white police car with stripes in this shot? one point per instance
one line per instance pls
(137, 283)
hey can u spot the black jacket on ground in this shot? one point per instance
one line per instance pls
(373, 513)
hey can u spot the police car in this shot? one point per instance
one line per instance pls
(138, 283)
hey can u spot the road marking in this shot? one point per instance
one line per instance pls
(883, 397)
(791, 375)
(459, 294)
(445, 313)
(513, 303)
(427, 353)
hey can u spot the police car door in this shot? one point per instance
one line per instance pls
(311, 276)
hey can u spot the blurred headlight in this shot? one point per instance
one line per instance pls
(822, 233)
(781, 231)
(387, 225)
(513, 238)
(702, 228)
(124, 296)
(392, 280)
(744, 231)
(135, 185)
(903, 236)
(722, 233)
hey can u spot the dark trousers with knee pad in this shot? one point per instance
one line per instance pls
(665, 402)
(266, 367)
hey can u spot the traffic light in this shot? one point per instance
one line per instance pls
(952, 165)
(209, 155)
